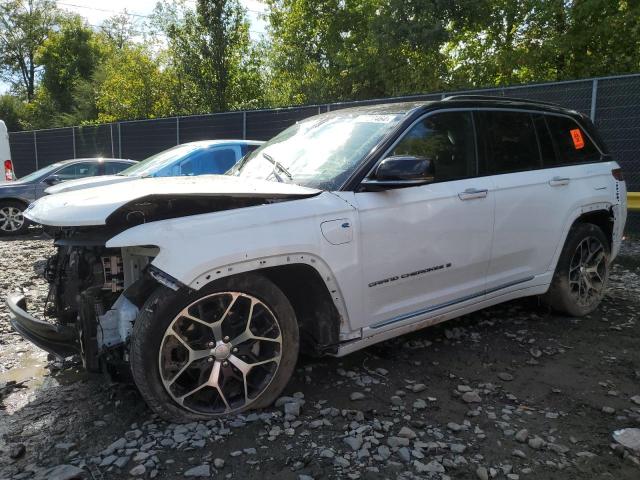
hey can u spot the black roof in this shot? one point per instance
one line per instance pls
(470, 101)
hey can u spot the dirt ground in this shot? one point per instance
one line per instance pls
(509, 392)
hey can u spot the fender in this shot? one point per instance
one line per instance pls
(573, 216)
(198, 249)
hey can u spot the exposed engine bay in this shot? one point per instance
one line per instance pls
(97, 292)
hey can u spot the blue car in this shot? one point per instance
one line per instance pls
(206, 157)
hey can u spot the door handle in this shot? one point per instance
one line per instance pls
(471, 193)
(559, 181)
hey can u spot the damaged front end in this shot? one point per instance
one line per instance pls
(95, 294)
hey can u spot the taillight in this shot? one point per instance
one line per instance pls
(8, 170)
(617, 174)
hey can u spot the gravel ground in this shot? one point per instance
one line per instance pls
(509, 392)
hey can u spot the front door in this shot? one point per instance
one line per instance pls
(426, 248)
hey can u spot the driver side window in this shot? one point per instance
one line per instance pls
(447, 139)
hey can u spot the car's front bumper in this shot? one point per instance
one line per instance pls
(58, 340)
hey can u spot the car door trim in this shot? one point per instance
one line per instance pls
(450, 303)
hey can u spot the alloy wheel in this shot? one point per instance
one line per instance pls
(11, 219)
(588, 271)
(220, 353)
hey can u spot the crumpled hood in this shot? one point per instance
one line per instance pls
(87, 182)
(92, 206)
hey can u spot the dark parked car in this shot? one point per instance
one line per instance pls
(16, 196)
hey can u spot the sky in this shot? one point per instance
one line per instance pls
(96, 12)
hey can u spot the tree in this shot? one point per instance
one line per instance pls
(212, 54)
(120, 30)
(24, 26)
(70, 57)
(11, 112)
(331, 50)
(131, 86)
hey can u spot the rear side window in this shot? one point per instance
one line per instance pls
(111, 168)
(508, 142)
(78, 170)
(571, 143)
(445, 138)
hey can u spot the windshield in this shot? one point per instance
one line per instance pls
(38, 174)
(152, 165)
(320, 152)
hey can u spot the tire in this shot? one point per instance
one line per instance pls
(582, 273)
(221, 347)
(12, 222)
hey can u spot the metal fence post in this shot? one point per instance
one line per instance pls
(111, 130)
(594, 99)
(177, 130)
(119, 142)
(35, 147)
(73, 139)
(244, 125)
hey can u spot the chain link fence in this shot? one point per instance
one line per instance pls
(612, 102)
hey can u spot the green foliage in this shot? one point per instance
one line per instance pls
(212, 56)
(24, 25)
(131, 86)
(197, 56)
(11, 111)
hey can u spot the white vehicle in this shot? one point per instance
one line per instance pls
(347, 229)
(6, 174)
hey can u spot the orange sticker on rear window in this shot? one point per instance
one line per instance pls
(576, 136)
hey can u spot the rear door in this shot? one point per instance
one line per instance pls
(534, 194)
(427, 247)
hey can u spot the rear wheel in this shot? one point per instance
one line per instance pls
(12, 221)
(229, 347)
(582, 273)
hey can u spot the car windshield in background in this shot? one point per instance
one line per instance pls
(39, 174)
(154, 164)
(320, 152)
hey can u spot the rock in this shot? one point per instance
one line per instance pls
(396, 400)
(482, 473)
(218, 463)
(535, 352)
(384, 452)
(419, 404)
(536, 443)
(518, 453)
(522, 435)
(636, 399)
(292, 408)
(457, 448)
(404, 454)
(137, 470)
(507, 377)
(418, 387)
(121, 462)
(471, 397)
(357, 396)
(117, 445)
(199, 471)
(609, 410)
(133, 434)
(341, 462)
(354, 442)
(64, 472)
(406, 432)
(17, 451)
(327, 453)
(454, 427)
(432, 467)
(629, 438)
(394, 442)
(108, 460)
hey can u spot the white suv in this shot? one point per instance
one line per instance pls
(346, 229)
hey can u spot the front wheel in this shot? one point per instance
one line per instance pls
(229, 347)
(582, 273)
(12, 221)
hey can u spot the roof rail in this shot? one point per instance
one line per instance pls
(497, 97)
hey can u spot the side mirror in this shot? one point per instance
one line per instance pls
(400, 171)
(52, 180)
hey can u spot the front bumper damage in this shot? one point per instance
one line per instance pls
(59, 340)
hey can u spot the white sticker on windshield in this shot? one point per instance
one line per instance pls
(375, 118)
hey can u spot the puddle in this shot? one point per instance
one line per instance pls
(30, 372)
